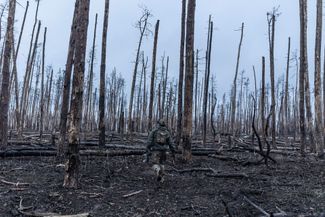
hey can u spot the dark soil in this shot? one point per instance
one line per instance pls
(294, 185)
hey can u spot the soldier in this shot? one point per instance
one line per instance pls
(159, 142)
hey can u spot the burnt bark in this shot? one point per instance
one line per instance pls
(207, 79)
(319, 140)
(5, 96)
(71, 179)
(234, 87)
(286, 95)
(42, 86)
(189, 75)
(153, 74)
(302, 72)
(271, 34)
(67, 82)
(102, 78)
(142, 25)
(181, 76)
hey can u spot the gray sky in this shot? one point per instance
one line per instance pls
(226, 14)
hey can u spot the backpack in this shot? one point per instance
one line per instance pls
(162, 136)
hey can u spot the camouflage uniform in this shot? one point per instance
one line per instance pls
(159, 142)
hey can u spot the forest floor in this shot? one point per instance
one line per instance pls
(205, 187)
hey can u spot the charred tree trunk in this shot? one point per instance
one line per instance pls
(165, 80)
(142, 25)
(181, 77)
(91, 78)
(263, 98)
(207, 79)
(72, 155)
(14, 71)
(30, 60)
(271, 33)
(286, 96)
(196, 91)
(67, 82)
(5, 96)
(302, 72)
(102, 78)
(26, 87)
(189, 75)
(307, 86)
(153, 74)
(318, 96)
(234, 87)
(144, 99)
(42, 86)
(48, 105)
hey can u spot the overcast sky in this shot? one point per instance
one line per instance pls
(227, 15)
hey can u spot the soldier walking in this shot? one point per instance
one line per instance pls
(159, 142)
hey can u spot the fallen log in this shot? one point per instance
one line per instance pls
(111, 153)
(49, 214)
(229, 175)
(27, 153)
(17, 184)
(132, 194)
(190, 170)
(210, 172)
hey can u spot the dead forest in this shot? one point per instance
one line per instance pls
(69, 145)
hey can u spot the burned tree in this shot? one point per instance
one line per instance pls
(42, 85)
(207, 78)
(153, 74)
(302, 71)
(286, 96)
(263, 98)
(317, 82)
(5, 96)
(142, 25)
(28, 71)
(181, 76)
(189, 76)
(73, 161)
(234, 87)
(90, 78)
(102, 78)
(67, 81)
(271, 18)
(14, 70)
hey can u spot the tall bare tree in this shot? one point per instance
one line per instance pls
(317, 82)
(90, 76)
(14, 70)
(42, 86)
(28, 71)
(73, 158)
(181, 76)
(102, 78)
(67, 81)
(234, 87)
(207, 78)
(302, 71)
(309, 114)
(189, 78)
(286, 94)
(153, 74)
(263, 97)
(142, 25)
(5, 96)
(271, 17)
